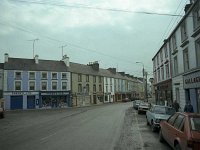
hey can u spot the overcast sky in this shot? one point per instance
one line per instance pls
(93, 30)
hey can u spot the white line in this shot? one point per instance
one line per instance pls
(140, 136)
(44, 138)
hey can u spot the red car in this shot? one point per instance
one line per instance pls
(181, 131)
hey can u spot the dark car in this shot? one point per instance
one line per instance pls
(181, 131)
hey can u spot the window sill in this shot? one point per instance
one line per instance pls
(196, 32)
(184, 43)
(174, 52)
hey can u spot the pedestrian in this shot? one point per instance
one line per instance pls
(176, 106)
(188, 107)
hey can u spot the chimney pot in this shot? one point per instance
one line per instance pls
(36, 59)
(6, 57)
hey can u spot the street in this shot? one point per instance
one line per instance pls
(104, 127)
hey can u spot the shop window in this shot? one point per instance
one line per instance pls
(54, 85)
(44, 75)
(64, 75)
(54, 75)
(32, 85)
(18, 85)
(32, 75)
(64, 85)
(44, 86)
(18, 75)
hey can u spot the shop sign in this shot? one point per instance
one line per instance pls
(192, 80)
(54, 93)
(20, 93)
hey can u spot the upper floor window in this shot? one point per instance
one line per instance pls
(183, 31)
(166, 51)
(79, 88)
(186, 59)
(87, 88)
(100, 88)
(106, 89)
(197, 46)
(106, 80)
(18, 75)
(94, 79)
(161, 55)
(100, 80)
(32, 85)
(111, 89)
(18, 85)
(157, 59)
(79, 78)
(43, 85)
(175, 65)
(174, 46)
(44, 75)
(162, 73)
(94, 88)
(54, 85)
(64, 75)
(87, 78)
(54, 75)
(158, 74)
(167, 70)
(110, 80)
(196, 16)
(64, 85)
(32, 75)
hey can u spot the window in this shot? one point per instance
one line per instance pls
(54, 75)
(44, 75)
(110, 80)
(32, 75)
(106, 80)
(186, 59)
(18, 85)
(162, 73)
(178, 121)
(100, 80)
(32, 85)
(79, 88)
(166, 51)
(161, 55)
(183, 32)
(172, 119)
(87, 88)
(174, 46)
(64, 75)
(94, 87)
(100, 88)
(158, 74)
(54, 85)
(175, 66)
(197, 46)
(87, 78)
(94, 79)
(106, 89)
(110, 88)
(167, 70)
(177, 95)
(79, 78)
(64, 85)
(196, 16)
(18, 75)
(157, 60)
(43, 85)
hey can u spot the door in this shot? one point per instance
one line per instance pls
(16, 102)
(30, 102)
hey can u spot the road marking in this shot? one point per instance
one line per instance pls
(44, 138)
(140, 136)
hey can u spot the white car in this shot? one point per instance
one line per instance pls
(143, 107)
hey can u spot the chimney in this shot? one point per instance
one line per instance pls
(122, 73)
(187, 7)
(113, 70)
(66, 60)
(94, 65)
(6, 57)
(36, 59)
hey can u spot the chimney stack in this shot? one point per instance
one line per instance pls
(6, 57)
(66, 60)
(113, 70)
(37, 59)
(94, 65)
(187, 7)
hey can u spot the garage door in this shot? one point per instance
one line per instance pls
(31, 102)
(16, 102)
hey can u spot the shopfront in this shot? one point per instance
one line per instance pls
(55, 99)
(192, 89)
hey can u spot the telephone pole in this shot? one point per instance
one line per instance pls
(34, 40)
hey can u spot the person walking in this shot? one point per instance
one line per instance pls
(188, 107)
(176, 106)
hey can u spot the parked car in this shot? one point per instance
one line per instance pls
(136, 103)
(2, 112)
(143, 107)
(157, 113)
(181, 131)
(126, 99)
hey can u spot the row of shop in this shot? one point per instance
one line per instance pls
(189, 85)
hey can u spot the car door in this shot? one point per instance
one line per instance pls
(149, 114)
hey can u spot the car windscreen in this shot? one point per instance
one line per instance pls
(164, 110)
(195, 123)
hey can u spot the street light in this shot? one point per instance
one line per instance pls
(143, 77)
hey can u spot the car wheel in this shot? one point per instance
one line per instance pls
(161, 139)
(153, 128)
(177, 147)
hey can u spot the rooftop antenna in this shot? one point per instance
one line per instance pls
(34, 45)
(62, 48)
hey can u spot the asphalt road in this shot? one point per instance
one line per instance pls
(105, 127)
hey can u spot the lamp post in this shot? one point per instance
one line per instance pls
(143, 78)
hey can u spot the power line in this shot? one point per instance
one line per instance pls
(95, 8)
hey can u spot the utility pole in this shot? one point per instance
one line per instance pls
(34, 45)
(62, 49)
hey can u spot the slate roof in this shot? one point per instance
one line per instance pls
(30, 65)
